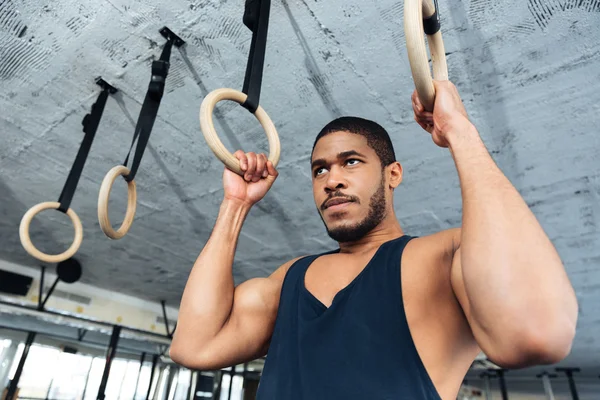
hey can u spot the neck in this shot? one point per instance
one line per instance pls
(387, 230)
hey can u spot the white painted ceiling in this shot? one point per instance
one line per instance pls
(528, 72)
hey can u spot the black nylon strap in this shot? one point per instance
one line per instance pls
(90, 126)
(432, 25)
(145, 122)
(256, 18)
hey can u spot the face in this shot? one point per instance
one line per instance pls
(349, 186)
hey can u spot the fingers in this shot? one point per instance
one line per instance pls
(419, 110)
(240, 155)
(255, 166)
(428, 126)
(417, 105)
(423, 118)
(252, 164)
(421, 114)
(261, 162)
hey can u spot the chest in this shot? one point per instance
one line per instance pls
(328, 275)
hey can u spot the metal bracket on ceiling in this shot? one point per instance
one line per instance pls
(105, 85)
(171, 36)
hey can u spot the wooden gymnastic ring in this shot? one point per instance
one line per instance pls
(414, 12)
(213, 141)
(104, 196)
(28, 244)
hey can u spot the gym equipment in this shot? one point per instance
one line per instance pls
(68, 271)
(487, 387)
(569, 373)
(256, 18)
(14, 383)
(547, 385)
(143, 128)
(90, 126)
(423, 16)
(110, 355)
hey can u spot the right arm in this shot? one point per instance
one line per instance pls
(219, 324)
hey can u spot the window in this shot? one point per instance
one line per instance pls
(236, 390)
(36, 377)
(51, 373)
(129, 380)
(70, 375)
(94, 379)
(181, 386)
(144, 381)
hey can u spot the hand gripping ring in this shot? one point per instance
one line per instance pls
(104, 196)
(414, 12)
(213, 141)
(28, 244)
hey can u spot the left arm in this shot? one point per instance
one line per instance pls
(507, 274)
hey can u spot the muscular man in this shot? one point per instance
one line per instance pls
(386, 315)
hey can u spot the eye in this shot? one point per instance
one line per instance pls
(352, 161)
(319, 171)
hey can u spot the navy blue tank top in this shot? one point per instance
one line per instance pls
(358, 348)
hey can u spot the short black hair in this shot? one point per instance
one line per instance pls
(377, 137)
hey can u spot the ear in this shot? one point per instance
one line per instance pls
(394, 174)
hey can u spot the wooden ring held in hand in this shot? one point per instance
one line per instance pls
(213, 141)
(28, 244)
(414, 13)
(104, 196)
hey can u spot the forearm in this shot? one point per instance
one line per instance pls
(512, 273)
(208, 296)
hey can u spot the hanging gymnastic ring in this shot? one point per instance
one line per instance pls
(104, 196)
(208, 128)
(415, 12)
(28, 244)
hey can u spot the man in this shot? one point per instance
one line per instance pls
(387, 315)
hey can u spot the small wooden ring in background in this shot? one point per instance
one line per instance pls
(414, 12)
(208, 128)
(104, 196)
(28, 244)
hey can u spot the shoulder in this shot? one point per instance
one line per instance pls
(279, 274)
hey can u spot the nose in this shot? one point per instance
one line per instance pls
(335, 180)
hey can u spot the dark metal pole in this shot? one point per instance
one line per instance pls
(49, 389)
(154, 362)
(569, 373)
(14, 383)
(172, 373)
(81, 334)
(137, 381)
(217, 394)
(190, 392)
(41, 307)
(164, 310)
(231, 374)
(41, 295)
(244, 374)
(110, 354)
(486, 385)
(502, 381)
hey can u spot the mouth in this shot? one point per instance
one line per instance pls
(336, 203)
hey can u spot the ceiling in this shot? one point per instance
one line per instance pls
(528, 72)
